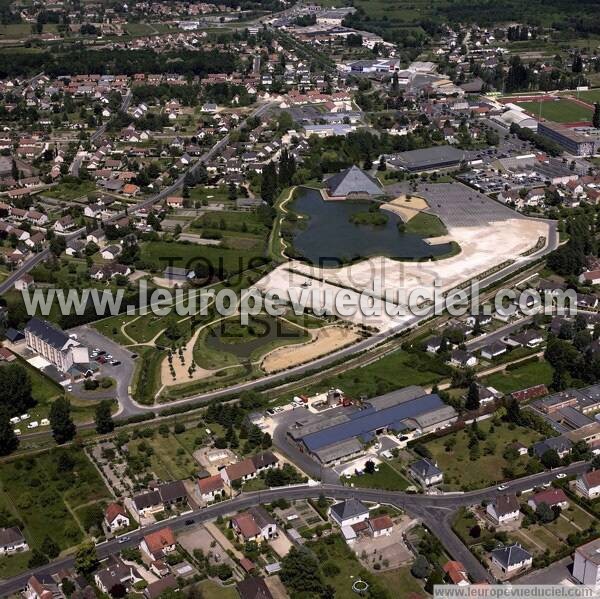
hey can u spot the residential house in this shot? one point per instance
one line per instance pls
(172, 493)
(588, 484)
(456, 573)
(210, 488)
(380, 526)
(174, 202)
(158, 544)
(348, 512)
(562, 445)
(426, 472)
(64, 224)
(493, 350)
(148, 503)
(505, 508)
(25, 281)
(39, 587)
(115, 517)
(256, 524)
(97, 237)
(586, 563)
(253, 587)
(12, 541)
(433, 345)
(157, 588)
(462, 359)
(511, 559)
(117, 573)
(551, 497)
(111, 252)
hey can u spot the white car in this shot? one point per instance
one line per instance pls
(25, 416)
(502, 487)
(17, 431)
(70, 388)
(44, 422)
(561, 475)
(109, 356)
(15, 420)
(33, 424)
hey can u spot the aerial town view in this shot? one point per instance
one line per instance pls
(299, 299)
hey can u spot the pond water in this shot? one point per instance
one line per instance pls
(328, 237)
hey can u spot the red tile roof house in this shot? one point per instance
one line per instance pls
(156, 545)
(115, 517)
(175, 201)
(256, 524)
(588, 484)
(36, 590)
(211, 487)
(456, 572)
(550, 497)
(248, 468)
(380, 526)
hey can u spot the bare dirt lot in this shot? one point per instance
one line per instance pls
(323, 342)
(406, 206)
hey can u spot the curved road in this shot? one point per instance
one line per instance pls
(434, 510)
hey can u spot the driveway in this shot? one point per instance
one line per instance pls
(122, 374)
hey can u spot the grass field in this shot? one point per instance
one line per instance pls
(71, 190)
(462, 473)
(111, 328)
(44, 490)
(528, 375)
(221, 261)
(394, 371)
(146, 377)
(400, 582)
(591, 95)
(561, 111)
(212, 590)
(388, 478)
(426, 225)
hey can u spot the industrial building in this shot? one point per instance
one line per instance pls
(341, 434)
(427, 159)
(580, 141)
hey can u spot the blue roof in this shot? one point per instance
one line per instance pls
(368, 421)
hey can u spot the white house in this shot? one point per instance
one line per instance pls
(380, 526)
(586, 563)
(511, 559)
(588, 484)
(349, 512)
(211, 487)
(111, 252)
(426, 472)
(115, 517)
(505, 508)
(12, 541)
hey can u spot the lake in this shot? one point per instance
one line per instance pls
(328, 237)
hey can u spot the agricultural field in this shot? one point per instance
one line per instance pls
(452, 454)
(561, 111)
(71, 190)
(45, 491)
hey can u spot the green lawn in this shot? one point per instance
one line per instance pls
(591, 95)
(394, 371)
(462, 473)
(44, 496)
(212, 590)
(399, 582)
(561, 111)
(222, 261)
(528, 375)
(426, 225)
(71, 190)
(238, 221)
(388, 478)
(111, 328)
(146, 377)
(209, 195)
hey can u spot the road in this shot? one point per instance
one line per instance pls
(435, 511)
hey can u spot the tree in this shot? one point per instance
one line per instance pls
(86, 559)
(369, 467)
(300, 573)
(472, 401)
(544, 513)
(596, 117)
(550, 459)
(37, 559)
(16, 389)
(8, 440)
(103, 418)
(50, 547)
(118, 590)
(61, 422)
(420, 567)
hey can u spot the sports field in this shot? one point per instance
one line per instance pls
(560, 111)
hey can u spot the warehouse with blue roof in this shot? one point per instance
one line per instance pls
(332, 439)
